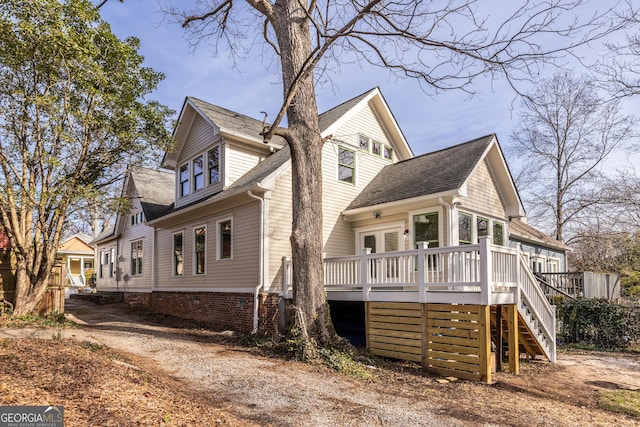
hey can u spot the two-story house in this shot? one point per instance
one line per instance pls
(209, 240)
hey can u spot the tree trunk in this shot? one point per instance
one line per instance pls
(28, 294)
(303, 135)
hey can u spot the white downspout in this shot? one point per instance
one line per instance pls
(261, 263)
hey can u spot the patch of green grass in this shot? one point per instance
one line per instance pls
(51, 320)
(622, 402)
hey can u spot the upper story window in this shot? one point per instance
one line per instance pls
(137, 218)
(198, 173)
(184, 179)
(213, 164)
(426, 229)
(346, 165)
(375, 147)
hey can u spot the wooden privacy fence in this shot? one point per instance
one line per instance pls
(583, 284)
(53, 301)
(448, 339)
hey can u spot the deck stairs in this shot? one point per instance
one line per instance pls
(526, 338)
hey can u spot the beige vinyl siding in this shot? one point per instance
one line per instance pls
(280, 217)
(241, 271)
(482, 194)
(201, 137)
(130, 234)
(239, 161)
(339, 237)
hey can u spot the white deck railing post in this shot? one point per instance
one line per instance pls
(422, 272)
(486, 270)
(364, 274)
(286, 277)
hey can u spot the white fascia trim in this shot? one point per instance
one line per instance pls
(249, 290)
(346, 116)
(389, 205)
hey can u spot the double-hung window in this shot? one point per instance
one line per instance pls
(198, 173)
(346, 165)
(178, 253)
(225, 240)
(213, 164)
(200, 250)
(136, 258)
(184, 180)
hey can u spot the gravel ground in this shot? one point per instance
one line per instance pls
(273, 391)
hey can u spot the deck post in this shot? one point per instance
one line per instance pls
(514, 348)
(364, 274)
(424, 336)
(498, 337)
(485, 343)
(422, 277)
(486, 271)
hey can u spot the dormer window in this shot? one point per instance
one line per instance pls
(198, 173)
(184, 180)
(213, 164)
(376, 148)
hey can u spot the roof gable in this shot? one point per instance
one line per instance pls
(442, 171)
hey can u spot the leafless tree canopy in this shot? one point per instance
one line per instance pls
(443, 44)
(566, 132)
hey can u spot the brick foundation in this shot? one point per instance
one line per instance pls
(221, 310)
(138, 299)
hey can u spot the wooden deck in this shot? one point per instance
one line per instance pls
(433, 305)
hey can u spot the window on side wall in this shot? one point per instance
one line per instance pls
(184, 180)
(178, 252)
(465, 229)
(213, 164)
(482, 227)
(200, 247)
(363, 143)
(136, 258)
(111, 260)
(198, 173)
(103, 262)
(225, 239)
(426, 229)
(498, 233)
(346, 165)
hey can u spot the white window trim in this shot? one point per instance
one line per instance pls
(355, 164)
(179, 180)
(131, 242)
(173, 255)
(369, 149)
(207, 169)
(474, 227)
(193, 176)
(195, 258)
(427, 210)
(219, 239)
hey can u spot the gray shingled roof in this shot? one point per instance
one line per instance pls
(231, 121)
(156, 189)
(432, 173)
(521, 230)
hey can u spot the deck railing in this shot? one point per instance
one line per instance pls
(480, 268)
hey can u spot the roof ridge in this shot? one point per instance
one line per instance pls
(362, 95)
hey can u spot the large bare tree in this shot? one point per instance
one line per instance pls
(442, 44)
(72, 117)
(565, 134)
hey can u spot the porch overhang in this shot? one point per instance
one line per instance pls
(400, 206)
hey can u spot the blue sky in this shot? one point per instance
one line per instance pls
(428, 122)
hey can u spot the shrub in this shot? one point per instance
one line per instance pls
(598, 323)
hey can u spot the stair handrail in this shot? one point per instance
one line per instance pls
(542, 281)
(548, 330)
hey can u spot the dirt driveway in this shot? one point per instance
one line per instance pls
(272, 391)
